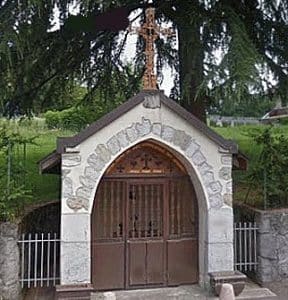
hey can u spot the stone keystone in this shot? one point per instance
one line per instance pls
(143, 128)
(157, 128)
(152, 101)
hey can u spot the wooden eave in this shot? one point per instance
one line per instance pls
(50, 164)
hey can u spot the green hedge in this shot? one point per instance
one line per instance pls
(74, 118)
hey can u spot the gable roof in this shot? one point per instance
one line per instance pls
(49, 163)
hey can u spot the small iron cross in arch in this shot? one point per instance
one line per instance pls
(150, 31)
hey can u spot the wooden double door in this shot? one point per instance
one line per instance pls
(144, 233)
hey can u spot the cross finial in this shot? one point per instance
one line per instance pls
(150, 31)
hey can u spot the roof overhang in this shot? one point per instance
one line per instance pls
(52, 162)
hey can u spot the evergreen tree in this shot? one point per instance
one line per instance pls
(250, 35)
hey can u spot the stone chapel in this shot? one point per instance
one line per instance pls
(146, 198)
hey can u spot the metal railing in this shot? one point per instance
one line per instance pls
(39, 260)
(40, 255)
(245, 246)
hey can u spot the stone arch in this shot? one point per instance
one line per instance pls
(78, 195)
(178, 140)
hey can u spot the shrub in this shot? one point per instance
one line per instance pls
(52, 119)
(74, 118)
(270, 171)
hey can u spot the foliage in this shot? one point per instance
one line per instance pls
(270, 170)
(251, 106)
(75, 118)
(40, 63)
(79, 116)
(14, 193)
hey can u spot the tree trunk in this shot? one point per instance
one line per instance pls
(191, 56)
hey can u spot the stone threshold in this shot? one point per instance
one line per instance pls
(189, 292)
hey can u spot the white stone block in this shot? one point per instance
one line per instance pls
(67, 187)
(71, 160)
(113, 145)
(220, 257)
(225, 173)
(168, 133)
(198, 158)
(122, 139)
(152, 102)
(143, 128)
(75, 263)
(229, 187)
(220, 225)
(132, 133)
(75, 227)
(191, 149)
(156, 129)
(103, 152)
(226, 160)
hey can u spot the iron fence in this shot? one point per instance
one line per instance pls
(39, 259)
(40, 255)
(245, 246)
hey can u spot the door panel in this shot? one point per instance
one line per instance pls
(182, 261)
(155, 262)
(108, 265)
(137, 263)
(145, 233)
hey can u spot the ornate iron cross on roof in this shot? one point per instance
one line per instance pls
(150, 31)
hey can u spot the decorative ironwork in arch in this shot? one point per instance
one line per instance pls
(146, 158)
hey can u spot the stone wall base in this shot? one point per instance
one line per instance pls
(75, 291)
(9, 262)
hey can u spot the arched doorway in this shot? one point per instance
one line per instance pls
(144, 224)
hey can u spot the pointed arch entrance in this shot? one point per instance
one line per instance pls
(144, 225)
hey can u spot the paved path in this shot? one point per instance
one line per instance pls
(189, 292)
(280, 288)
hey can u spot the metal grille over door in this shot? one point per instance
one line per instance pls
(145, 211)
(146, 247)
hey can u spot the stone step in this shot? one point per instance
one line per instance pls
(192, 292)
(259, 293)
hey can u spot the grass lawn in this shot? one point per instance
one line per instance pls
(44, 187)
(47, 187)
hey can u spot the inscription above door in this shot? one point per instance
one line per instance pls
(147, 158)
